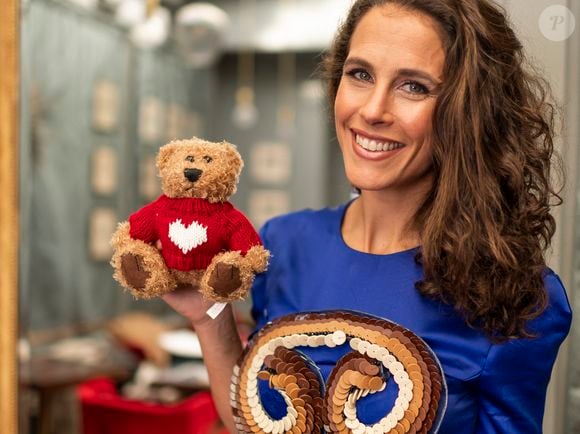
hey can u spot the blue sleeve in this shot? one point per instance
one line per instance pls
(516, 374)
(258, 291)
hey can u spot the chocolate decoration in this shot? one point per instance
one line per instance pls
(381, 352)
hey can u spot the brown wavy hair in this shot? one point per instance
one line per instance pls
(486, 222)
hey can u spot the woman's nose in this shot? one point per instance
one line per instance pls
(378, 107)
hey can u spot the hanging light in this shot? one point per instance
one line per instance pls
(200, 33)
(154, 31)
(129, 13)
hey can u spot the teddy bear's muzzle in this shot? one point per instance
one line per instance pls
(192, 174)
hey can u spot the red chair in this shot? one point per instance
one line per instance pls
(104, 411)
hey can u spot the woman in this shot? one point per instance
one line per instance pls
(449, 140)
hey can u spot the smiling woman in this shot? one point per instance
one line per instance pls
(9, 85)
(448, 134)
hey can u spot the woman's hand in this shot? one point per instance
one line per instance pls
(188, 301)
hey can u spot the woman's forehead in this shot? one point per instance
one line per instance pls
(390, 33)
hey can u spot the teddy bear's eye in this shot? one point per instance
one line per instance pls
(207, 159)
(190, 158)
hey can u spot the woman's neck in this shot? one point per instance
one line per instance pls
(380, 222)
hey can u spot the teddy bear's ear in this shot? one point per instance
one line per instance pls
(165, 153)
(233, 158)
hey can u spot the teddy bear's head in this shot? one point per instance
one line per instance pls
(198, 168)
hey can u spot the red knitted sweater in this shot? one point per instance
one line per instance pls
(192, 231)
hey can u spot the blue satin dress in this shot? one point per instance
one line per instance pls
(493, 388)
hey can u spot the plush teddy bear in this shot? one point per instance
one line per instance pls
(191, 234)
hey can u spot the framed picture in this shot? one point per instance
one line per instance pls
(151, 120)
(102, 224)
(271, 163)
(265, 204)
(105, 106)
(104, 173)
(176, 121)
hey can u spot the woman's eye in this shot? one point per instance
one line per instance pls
(416, 88)
(190, 158)
(359, 74)
(207, 159)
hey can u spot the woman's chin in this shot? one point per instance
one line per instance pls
(368, 185)
(367, 182)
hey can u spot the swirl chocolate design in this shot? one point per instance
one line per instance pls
(381, 351)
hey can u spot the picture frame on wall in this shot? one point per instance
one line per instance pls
(177, 118)
(271, 163)
(104, 170)
(151, 120)
(264, 204)
(106, 109)
(102, 224)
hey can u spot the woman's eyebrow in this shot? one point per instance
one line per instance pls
(408, 72)
(358, 61)
(418, 74)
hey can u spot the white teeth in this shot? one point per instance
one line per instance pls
(373, 145)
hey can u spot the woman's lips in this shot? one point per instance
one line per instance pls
(371, 155)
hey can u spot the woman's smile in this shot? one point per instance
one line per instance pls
(373, 147)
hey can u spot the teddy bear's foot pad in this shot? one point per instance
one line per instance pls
(133, 270)
(225, 279)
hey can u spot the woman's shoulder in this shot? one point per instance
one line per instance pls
(557, 316)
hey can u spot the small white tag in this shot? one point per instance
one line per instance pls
(215, 310)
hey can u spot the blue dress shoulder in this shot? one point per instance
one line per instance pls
(493, 388)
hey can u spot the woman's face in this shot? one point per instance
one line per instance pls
(386, 97)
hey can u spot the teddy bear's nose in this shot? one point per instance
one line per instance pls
(192, 174)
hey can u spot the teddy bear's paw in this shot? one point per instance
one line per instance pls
(133, 269)
(257, 259)
(225, 279)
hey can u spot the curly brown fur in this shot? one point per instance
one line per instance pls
(221, 164)
(160, 280)
(255, 261)
(486, 223)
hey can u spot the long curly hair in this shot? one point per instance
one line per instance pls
(486, 222)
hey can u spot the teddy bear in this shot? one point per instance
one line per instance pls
(191, 234)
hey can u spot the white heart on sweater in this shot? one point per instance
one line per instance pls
(187, 238)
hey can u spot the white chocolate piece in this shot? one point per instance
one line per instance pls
(339, 337)
(351, 423)
(363, 347)
(373, 350)
(288, 423)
